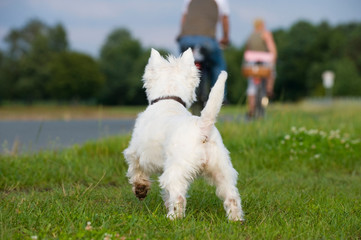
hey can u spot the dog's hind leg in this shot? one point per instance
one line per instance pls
(175, 182)
(220, 172)
(137, 177)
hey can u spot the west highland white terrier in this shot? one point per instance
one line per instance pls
(167, 139)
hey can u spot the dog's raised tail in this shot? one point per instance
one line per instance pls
(214, 104)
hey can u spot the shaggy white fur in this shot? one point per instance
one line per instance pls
(170, 141)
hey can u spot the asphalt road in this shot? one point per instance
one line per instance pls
(32, 136)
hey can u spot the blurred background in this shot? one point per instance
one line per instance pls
(94, 52)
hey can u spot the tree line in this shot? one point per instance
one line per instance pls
(305, 51)
(38, 65)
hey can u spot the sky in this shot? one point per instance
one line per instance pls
(156, 23)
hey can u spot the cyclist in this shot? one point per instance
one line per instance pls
(198, 28)
(260, 40)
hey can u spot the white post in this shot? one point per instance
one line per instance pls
(328, 78)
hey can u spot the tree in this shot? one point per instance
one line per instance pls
(30, 49)
(294, 60)
(74, 76)
(58, 39)
(21, 41)
(2, 75)
(7, 74)
(236, 83)
(347, 80)
(306, 50)
(353, 46)
(122, 61)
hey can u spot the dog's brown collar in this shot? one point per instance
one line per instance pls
(175, 98)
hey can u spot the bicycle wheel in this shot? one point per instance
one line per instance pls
(260, 95)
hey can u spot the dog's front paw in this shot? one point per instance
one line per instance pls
(140, 190)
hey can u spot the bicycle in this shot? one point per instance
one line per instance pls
(257, 66)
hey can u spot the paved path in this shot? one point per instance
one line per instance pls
(31, 136)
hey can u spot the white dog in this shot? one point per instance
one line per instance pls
(168, 140)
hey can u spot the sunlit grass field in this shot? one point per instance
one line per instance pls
(299, 178)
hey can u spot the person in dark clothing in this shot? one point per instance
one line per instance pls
(198, 28)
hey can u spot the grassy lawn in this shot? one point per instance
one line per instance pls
(299, 178)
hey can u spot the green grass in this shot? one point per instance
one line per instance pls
(299, 178)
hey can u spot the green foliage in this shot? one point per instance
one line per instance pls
(348, 79)
(33, 71)
(295, 55)
(306, 51)
(236, 82)
(36, 36)
(299, 178)
(122, 61)
(57, 38)
(74, 76)
(39, 66)
(2, 74)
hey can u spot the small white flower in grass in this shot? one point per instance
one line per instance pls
(334, 134)
(323, 134)
(312, 132)
(34, 237)
(107, 236)
(317, 156)
(88, 226)
(287, 137)
(294, 129)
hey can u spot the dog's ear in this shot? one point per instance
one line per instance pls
(155, 57)
(188, 57)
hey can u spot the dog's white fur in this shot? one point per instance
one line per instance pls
(170, 141)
